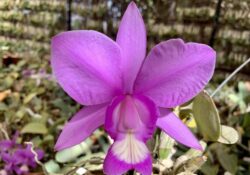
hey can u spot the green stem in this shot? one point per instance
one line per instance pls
(230, 76)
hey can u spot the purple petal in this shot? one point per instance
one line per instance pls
(40, 154)
(7, 158)
(144, 167)
(132, 39)
(113, 166)
(175, 72)
(111, 120)
(86, 65)
(82, 125)
(6, 144)
(25, 156)
(21, 170)
(176, 129)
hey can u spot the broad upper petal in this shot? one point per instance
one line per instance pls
(176, 129)
(131, 38)
(81, 126)
(174, 72)
(87, 66)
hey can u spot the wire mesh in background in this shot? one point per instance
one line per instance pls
(27, 26)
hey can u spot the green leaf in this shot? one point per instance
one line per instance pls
(228, 161)
(191, 153)
(243, 91)
(190, 165)
(3, 106)
(228, 135)
(209, 169)
(246, 119)
(165, 146)
(52, 167)
(61, 105)
(34, 128)
(234, 98)
(29, 98)
(70, 154)
(206, 116)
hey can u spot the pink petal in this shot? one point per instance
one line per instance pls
(176, 129)
(86, 65)
(114, 166)
(132, 39)
(144, 167)
(111, 121)
(175, 72)
(81, 126)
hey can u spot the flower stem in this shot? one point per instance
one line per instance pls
(230, 76)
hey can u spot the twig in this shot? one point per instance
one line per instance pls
(92, 160)
(244, 147)
(230, 76)
(5, 133)
(36, 157)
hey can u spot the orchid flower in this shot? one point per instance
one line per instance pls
(127, 92)
(16, 158)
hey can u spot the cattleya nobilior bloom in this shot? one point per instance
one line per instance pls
(127, 92)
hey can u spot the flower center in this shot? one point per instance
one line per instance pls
(129, 120)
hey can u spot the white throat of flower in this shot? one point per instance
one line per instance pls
(130, 149)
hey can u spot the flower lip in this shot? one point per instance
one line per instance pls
(131, 114)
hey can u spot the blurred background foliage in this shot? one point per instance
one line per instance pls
(32, 103)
